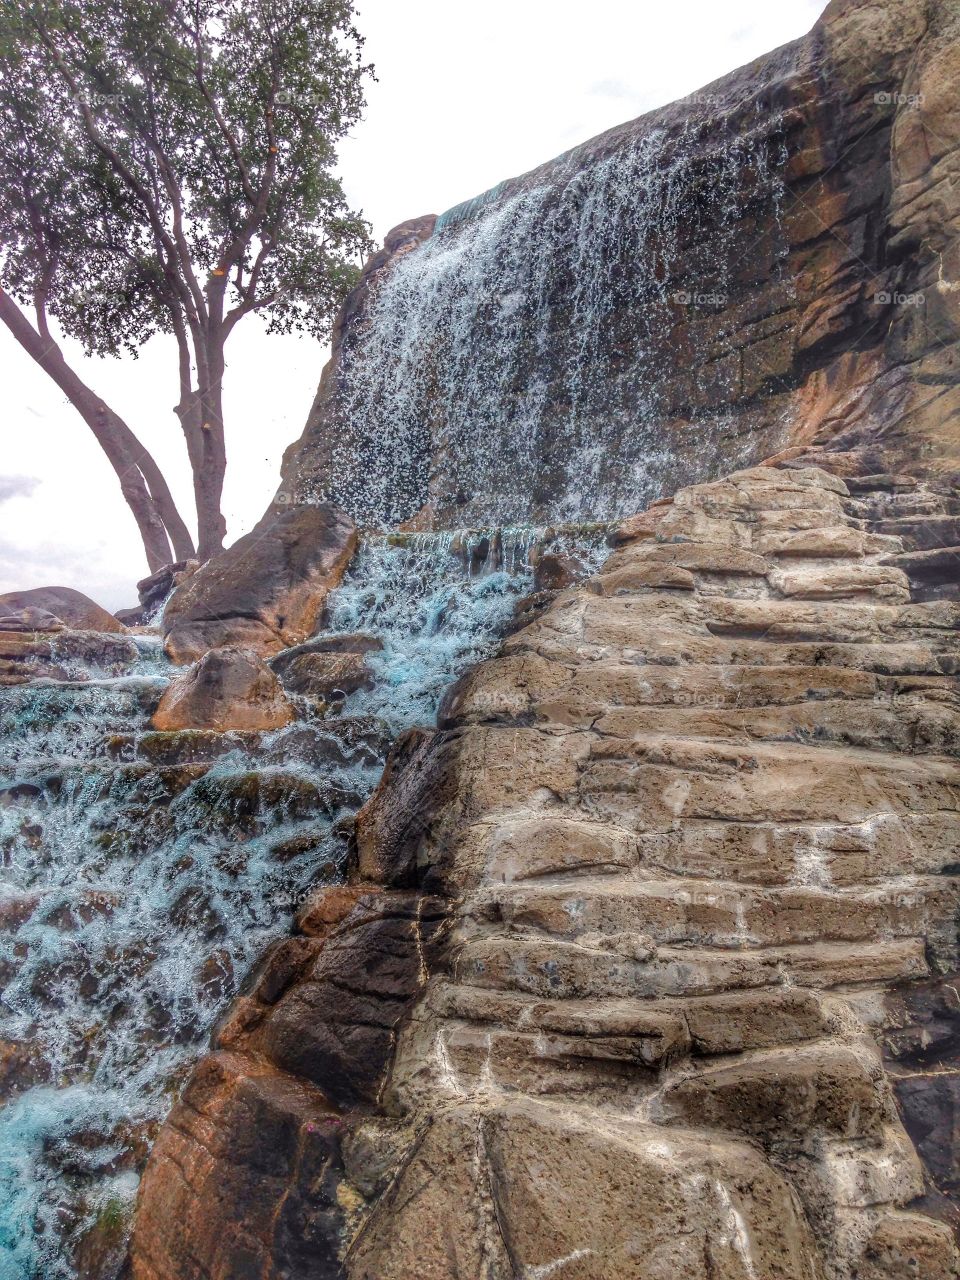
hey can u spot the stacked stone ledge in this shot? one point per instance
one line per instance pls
(647, 949)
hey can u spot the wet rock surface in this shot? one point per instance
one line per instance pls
(71, 608)
(644, 964)
(265, 592)
(148, 876)
(769, 263)
(62, 654)
(228, 689)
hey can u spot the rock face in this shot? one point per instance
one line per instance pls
(773, 261)
(60, 604)
(328, 667)
(646, 965)
(266, 591)
(35, 645)
(154, 590)
(228, 689)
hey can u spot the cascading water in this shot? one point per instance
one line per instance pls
(144, 873)
(522, 363)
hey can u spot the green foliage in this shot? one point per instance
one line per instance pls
(169, 166)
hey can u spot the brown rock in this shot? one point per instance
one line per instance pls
(338, 1024)
(72, 608)
(22, 1066)
(327, 676)
(229, 688)
(907, 1246)
(786, 1097)
(63, 655)
(266, 592)
(31, 619)
(329, 906)
(564, 1195)
(281, 1143)
(555, 570)
(841, 583)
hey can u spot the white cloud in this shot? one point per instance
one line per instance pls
(17, 487)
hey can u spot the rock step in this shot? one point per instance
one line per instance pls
(529, 847)
(670, 656)
(337, 741)
(918, 504)
(881, 582)
(786, 1098)
(735, 574)
(824, 543)
(883, 847)
(839, 621)
(627, 915)
(934, 574)
(709, 1026)
(651, 783)
(913, 727)
(555, 969)
(925, 533)
(655, 629)
(773, 702)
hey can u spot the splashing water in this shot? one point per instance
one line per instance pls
(143, 874)
(438, 603)
(523, 362)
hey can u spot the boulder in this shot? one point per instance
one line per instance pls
(555, 569)
(229, 688)
(266, 592)
(31, 619)
(905, 1245)
(154, 590)
(565, 1196)
(63, 655)
(72, 608)
(327, 675)
(327, 667)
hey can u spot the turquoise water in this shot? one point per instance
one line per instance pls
(135, 895)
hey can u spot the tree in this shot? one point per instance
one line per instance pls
(167, 166)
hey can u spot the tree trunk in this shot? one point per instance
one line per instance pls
(141, 482)
(211, 526)
(200, 411)
(183, 548)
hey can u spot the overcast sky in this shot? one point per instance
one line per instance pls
(467, 94)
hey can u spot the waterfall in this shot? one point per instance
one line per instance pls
(143, 874)
(524, 362)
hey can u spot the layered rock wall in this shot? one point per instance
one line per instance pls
(647, 963)
(772, 261)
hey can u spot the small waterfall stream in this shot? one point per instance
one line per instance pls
(526, 360)
(142, 874)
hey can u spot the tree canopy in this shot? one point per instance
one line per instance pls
(168, 167)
